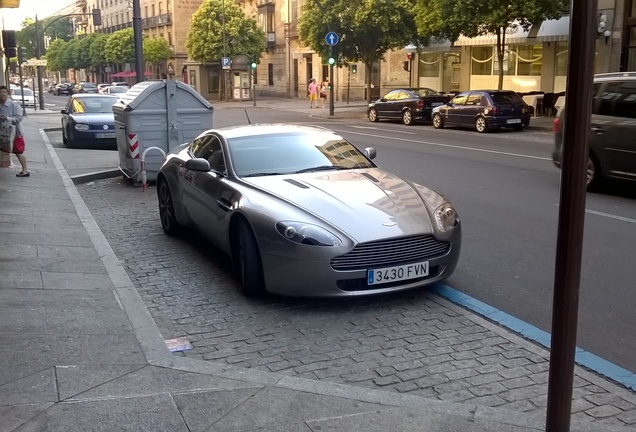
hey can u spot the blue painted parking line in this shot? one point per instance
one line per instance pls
(528, 331)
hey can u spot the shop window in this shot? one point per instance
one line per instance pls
(270, 73)
(482, 60)
(509, 61)
(429, 64)
(529, 59)
(561, 59)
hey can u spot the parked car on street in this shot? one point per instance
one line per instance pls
(408, 104)
(52, 88)
(483, 110)
(120, 83)
(102, 87)
(116, 89)
(612, 138)
(302, 212)
(63, 89)
(85, 87)
(88, 121)
(29, 97)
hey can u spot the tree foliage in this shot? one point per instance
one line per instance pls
(54, 28)
(98, 50)
(204, 41)
(120, 47)
(450, 18)
(367, 29)
(54, 59)
(83, 59)
(69, 55)
(156, 50)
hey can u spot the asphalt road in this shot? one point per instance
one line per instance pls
(507, 193)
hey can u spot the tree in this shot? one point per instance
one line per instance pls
(56, 28)
(367, 29)
(98, 52)
(156, 50)
(120, 47)
(204, 41)
(69, 55)
(450, 18)
(54, 55)
(26, 37)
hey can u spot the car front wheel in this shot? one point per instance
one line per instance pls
(594, 177)
(373, 115)
(407, 117)
(250, 266)
(480, 125)
(438, 121)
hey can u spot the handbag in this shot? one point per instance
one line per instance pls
(7, 135)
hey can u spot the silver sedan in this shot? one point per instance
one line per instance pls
(302, 212)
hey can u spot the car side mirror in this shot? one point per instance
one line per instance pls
(382, 100)
(449, 103)
(198, 165)
(370, 152)
(64, 111)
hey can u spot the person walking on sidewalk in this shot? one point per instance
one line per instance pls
(323, 91)
(11, 112)
(313, 93)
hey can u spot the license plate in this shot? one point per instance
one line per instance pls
(106, 135)
(437, 103)
(513, 121)
(398, 273)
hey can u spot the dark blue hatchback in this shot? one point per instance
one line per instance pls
(88, 121)
(484, 110)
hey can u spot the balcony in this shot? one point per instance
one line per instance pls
(157, 21)
(81, 3)
(291, 30)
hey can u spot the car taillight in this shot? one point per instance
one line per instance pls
(556, 126)
(420, 104)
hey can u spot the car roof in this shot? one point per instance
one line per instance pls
(92, 95)
(269, 129)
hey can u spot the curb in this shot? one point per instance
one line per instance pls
(96, 175)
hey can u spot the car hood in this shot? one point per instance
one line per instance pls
(98, 118)
(366, 204)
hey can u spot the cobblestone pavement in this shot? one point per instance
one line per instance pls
(414, 343)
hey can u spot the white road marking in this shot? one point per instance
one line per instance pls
(611, 216)
(448, 145)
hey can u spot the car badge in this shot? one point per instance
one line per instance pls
(389, 224)
(105, 126)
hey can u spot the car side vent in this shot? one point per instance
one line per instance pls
(297, 183)
(370, 177)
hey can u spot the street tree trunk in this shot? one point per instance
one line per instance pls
(501, 45)
(368, 67)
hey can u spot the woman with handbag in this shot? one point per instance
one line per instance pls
(10, 119)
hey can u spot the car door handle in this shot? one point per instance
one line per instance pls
(597, 130)
(224, 204)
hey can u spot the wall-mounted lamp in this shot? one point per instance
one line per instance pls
(602, 29)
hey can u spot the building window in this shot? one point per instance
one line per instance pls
(429, 64)
(561, 59)
(294, 10)
(153, 9)
(529, 59)
(169, 38)
(631, 49)
(482, 60)
(270, 73)
(160, 8)
(213, 80)
(509, 61)
(145, 11)
(266, 17)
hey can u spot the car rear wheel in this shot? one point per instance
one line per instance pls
(407, 117)
(250, 266)
(166, 209)
(373, 115)
(480, 125)
(438, 121)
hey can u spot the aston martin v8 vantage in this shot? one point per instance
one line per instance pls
(302, 212)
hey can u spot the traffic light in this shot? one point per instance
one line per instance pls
(253, 65)
(21, 55)
(8, 39)
(97, 17)
(354, 69)
(10, 52)
(332, 61)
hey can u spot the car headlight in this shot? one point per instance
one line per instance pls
(445, 217)
(81, 127)
(307, 234)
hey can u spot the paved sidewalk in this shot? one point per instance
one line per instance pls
(80, 351)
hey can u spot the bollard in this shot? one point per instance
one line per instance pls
(144, 182)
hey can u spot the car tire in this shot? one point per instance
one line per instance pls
(480, 125)
(64, 139)
(438, 121)
(249, 263)
(166, 209)
(373, 115)
(407, 117)
(594, 177)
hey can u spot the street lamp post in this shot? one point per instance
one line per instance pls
(224, 51)
(38, 54)
(410, 50)
(138, 39)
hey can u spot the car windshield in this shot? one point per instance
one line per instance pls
(506, 98)
(118, 89)
(287, 153)
(425, 92)
(94, 105)
(27, 92)
(88, 85)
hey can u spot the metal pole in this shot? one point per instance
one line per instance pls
(38, 53)
(138, 39)
(331, 85)
(569, 249)
(254, 84)
(24, 113)
(224, 52)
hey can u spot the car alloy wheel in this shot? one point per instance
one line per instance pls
(480, 125)
(438, 122)
(593, 174)
(373, 115)
(166, 209)
(407, 117)
(250, 266)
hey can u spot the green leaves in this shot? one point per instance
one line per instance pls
(120, 47)
(156, 50)
(205, 40)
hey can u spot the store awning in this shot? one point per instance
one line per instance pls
(554, 30)
(514, 35)
(119, 74)
(9, 4)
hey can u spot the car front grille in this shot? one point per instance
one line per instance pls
(390, 252)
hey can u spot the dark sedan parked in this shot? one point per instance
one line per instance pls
(484, 110)
(408, 104)
(63, 89)
(88, 121)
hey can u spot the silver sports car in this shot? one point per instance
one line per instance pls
(302, 212)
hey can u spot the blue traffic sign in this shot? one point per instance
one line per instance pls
(226, 61)
(331, 38)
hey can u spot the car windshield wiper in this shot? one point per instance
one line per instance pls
(321, 168)
(261, 174)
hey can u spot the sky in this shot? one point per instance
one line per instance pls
(28, 8)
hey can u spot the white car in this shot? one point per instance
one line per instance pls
(29, 96)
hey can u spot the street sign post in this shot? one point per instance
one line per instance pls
(332, 38)
(35, 62)
(226, 62)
